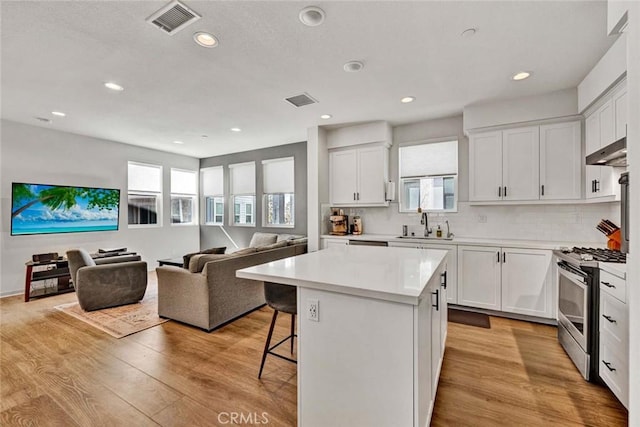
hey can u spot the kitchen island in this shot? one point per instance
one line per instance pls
(371, 352)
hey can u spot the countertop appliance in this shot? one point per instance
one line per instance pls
(578, 304)
(339, 225)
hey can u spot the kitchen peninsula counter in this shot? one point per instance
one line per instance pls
(373, 355)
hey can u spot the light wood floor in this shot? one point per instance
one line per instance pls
(58, 371)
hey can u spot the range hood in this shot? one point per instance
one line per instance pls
(614, 154)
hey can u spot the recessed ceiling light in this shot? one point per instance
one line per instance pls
(521, 75)
(326, 116)
(353, 66)
(311, 16)
(236, 130)
(58, 113)
(408, 99)
(44, 120)
(205, 39)
(178, 142)
(469, 32)
(114, 86)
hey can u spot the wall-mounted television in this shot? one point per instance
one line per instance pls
(47, 209)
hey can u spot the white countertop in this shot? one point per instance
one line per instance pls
(472, 241)
(391, 274)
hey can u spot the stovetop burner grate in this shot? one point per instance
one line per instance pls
(603, 255)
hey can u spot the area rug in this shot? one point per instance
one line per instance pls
(469, 318)
(120, 321)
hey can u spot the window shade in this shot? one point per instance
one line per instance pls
(213, 181)
(242, 178)
(183, 182)
(438, 158)
(145, 178)
(278, 175)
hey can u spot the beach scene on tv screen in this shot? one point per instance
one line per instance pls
(45, 209)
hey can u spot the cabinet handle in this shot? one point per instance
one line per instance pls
(597, 184)
(505, 191)
(358, 196)
(354, 196)
(498, 255)
(437, 294)
(499, 191)
(592, 187)
(542, 189)
(443, 281)
(608, 285)
(608, 365)
(609, 318)
(504, 257)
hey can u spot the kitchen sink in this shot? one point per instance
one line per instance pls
(425, 238)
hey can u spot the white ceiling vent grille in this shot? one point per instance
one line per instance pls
(173, 17)
(301, 100)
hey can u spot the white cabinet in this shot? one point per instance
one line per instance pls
(506, 279)
(613, 367)
(358, 176)
(560, 161)
(604, 125)
(479, 277)
(452, 265)
(328, 243)
(526, 164)
(438, 290)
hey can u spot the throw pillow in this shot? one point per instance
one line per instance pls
(285, 237)
(262, 239)
(297, 241)
(276, 245)
(187, 257)
(197, 262)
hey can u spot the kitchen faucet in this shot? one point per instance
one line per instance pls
(425, 221)
(449, 233)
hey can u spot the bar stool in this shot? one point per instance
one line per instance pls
(282, 298)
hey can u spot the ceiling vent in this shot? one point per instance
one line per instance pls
(301, 100)
(173, 17)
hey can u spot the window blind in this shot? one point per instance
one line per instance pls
(278, 175)
(213, 181)
(145, 178)
(242, 178)
(183, 182)
(437, 158)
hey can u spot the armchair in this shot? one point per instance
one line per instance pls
(107, 285)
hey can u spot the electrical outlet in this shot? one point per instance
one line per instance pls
(313, 310)
(482, 218)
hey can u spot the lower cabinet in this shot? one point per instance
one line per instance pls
(614, 336)
(327, 243)
(452, 263)
(506, 279)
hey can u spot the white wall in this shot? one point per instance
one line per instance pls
(317, 185)
(43, 156)
(560, 103)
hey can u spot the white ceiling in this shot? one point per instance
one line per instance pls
(57, 55)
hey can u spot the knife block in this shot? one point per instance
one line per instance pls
(614, 241)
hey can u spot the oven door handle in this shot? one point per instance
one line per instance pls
(578, 280)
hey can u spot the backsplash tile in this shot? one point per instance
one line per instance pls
(568, 223)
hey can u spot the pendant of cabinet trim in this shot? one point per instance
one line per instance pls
(527, 163)
(358, 176)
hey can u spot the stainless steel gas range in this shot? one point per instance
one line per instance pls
(578, 302)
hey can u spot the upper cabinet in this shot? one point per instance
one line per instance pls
(526, 164)
(605, 123)
(358, 176)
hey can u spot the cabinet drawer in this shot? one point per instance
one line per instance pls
(614, 370)
(613, 285)
(614, 320)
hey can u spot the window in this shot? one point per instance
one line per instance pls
(278, 192)
(145, 194)
(184, 190)
(429, 177)
(213, 192)
(242, 186)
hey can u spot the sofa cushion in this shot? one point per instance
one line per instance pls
(197, 261)
(262, 239)
(244, 251)
(186, 258)
(297, 241)
(285, 237)
(276, 245)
